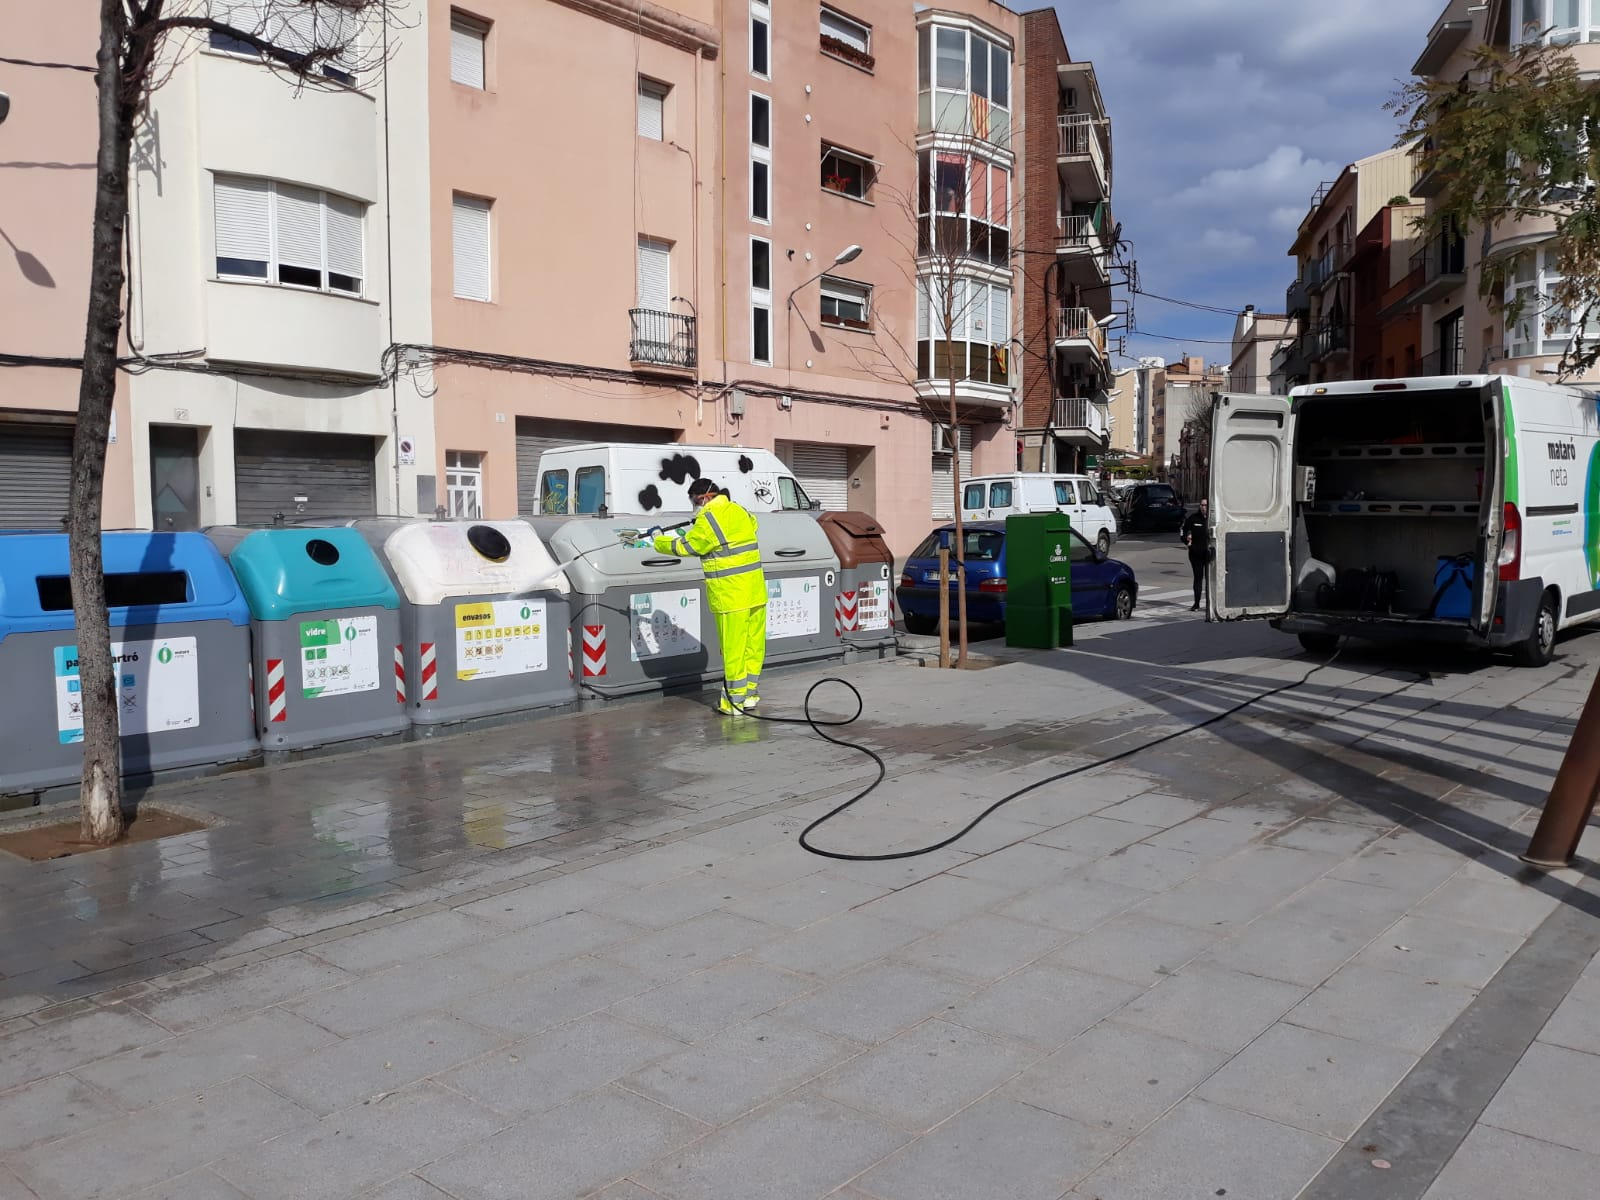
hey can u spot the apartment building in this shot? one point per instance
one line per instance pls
(1187, 388)
(1462, 330)
(1322, 298)
(1256, 337)
(362, 297)
(749, 273)
(1135, 392)
(1066, 255)
(260, 296)
(47, 150)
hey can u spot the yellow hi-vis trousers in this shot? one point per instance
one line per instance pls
(744, 647)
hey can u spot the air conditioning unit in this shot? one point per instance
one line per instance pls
(941, 438)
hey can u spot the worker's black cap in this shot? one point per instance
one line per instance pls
(701, 487)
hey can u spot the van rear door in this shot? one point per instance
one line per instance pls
(1252, 512)
(1500, 488)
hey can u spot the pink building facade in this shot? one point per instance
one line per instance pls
(677, 279)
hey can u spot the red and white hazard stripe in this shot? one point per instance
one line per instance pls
(277, 693)
(846, 613)
(430, 673)
(594, 651)
(399, 675)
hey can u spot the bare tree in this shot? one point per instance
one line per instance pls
(313, 42)
(954, 225)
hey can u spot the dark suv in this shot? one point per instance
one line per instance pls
(1151, 508)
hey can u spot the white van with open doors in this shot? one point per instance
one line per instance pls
(1458, 508)
(627, 479)
(996, 497)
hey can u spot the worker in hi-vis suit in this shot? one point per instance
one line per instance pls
(723, 537)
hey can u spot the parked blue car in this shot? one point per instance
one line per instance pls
(1101, 586)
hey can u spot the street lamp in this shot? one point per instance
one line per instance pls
(848, 254)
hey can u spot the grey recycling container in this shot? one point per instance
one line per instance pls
(864, 609)
(640, 622)
(484, 610)
(180, 642)
(802, 588)
(325, 620)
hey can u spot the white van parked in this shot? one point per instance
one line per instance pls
(630, 479)
(1462, 508)
(996, 497)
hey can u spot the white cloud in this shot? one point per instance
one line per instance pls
(1227, 241)
(1285, 171)
(1288, 217)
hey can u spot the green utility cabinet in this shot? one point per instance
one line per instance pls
(1038, 581)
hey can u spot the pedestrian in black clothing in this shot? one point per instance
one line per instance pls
(1197, 537)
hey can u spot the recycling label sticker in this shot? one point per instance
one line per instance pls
(794, 606)
(665, 624)
(873, 598)
(158, 688)
(338, 657)
(500, 637)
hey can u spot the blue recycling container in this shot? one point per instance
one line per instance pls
(326, 644)
(180, 636)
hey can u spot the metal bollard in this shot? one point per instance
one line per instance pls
(1572, 799)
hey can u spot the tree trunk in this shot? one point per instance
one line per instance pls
(960, 545)
(101, 794)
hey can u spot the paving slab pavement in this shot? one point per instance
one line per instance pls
(584, 956)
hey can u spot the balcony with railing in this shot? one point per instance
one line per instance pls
(1077, 331)
(1289, 361)
(1297, 298)
(662, 341)
(1080, 240)
(1441, 267)
(1081, 156)
(1327, 267)
(1083, 419)
(1425, 178)
(1326, 340)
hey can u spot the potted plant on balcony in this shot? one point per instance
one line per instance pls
(849, 53)
(836, 183)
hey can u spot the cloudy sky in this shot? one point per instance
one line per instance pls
(1226, 114)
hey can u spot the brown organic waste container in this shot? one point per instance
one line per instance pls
(863, 613)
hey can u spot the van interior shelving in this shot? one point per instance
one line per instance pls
(1399, 483)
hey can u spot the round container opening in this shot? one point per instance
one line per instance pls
(323, 553)
(489, 542)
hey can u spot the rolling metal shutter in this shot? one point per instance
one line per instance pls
(35, 475)
(536, 435)
(335, 472)
(824, 472)
(943, 493)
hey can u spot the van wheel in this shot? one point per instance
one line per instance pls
(1103, 542)
(916, 623)
(1122, 608)
(1540, 647)
(1319, 643)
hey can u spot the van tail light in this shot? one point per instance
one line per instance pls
(1510, 560)
(992, 585)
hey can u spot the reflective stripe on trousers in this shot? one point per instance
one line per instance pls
(743, 633)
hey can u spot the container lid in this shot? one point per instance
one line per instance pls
(151, 579)
(856, 537)
(434, 560)
(299, 570)
(793, 539)
(597, 559)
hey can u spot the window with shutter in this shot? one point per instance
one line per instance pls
(298, 223)
(841, 28)
(652, 109)
(286, 234)
(244, 237)
(345, 260)
(655, 274)
(468, 41)
(469, 228)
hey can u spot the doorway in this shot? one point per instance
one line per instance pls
(174, 478)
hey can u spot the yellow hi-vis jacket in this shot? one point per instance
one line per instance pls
(723, 537)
